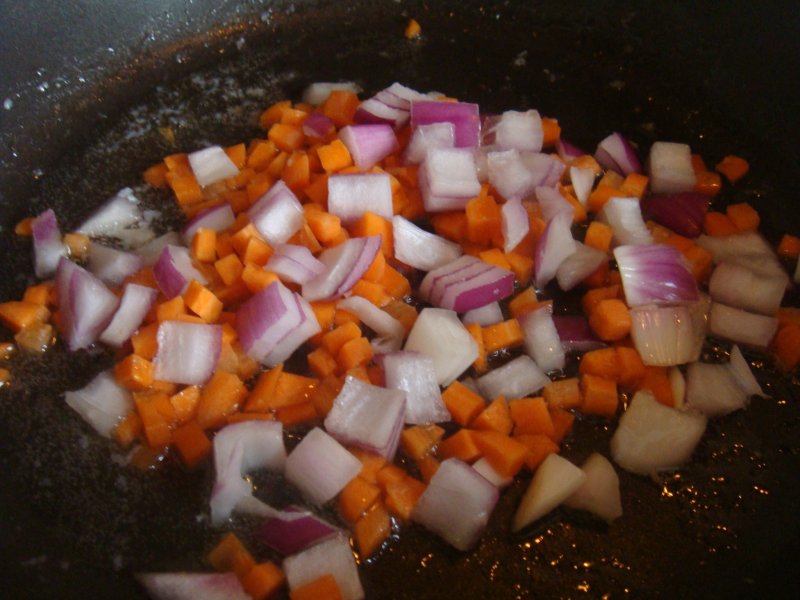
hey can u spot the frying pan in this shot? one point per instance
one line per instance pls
(85, 86)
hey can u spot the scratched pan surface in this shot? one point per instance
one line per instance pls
(85, 89)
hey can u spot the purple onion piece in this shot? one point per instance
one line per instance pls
(290, 537)
(683, 212)
(464, 116)
(655, 274)
(47, 245)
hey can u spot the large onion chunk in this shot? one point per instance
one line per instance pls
(599, 494)
(102, 403)
(555, 480)
(331, 557)
(438, 334)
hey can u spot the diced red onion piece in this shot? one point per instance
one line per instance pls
(741, 371)
(440, 335)
(344, 266)
(230, 488)
(599, 492)
(369, 144)
(464, 116)
(320, 467)
(517, 378)
(187, 352)
(670, 168)
(192, 586)
(555, 480)
(133, 307)
(419, 248)
(286, 345)
(294, 263)
(550, 169)
(47, 245)
(427, 137)
(457, 504)
(368, 417)
(173, 271)
(652, 437)
(515, 224)
(414, 374)
(542, 341)
(518, 130)
(554, 246)
(488, 314)
(331, 557)
(655, 274)
(405, 95)
(87, 305)
(552, 202)
(579, 265)
(352, 195)
(615, 152)
(211, 165)
(624, 216)
(119, 212)
(668, 335)
(455, 270)
(112, 266)
(713, 390)
(485, 468)
(682, 212)
(568, 151)
(736, 285)
(373, 110)
(102, 403)
(575, 333)
(290, 537)
(490, 285)
(151, 251)
(582, 180)
(318, 126)
(317, 92)
(516, 174)
(389, 331)
(741, 326)
(277, 215)
(217, 218)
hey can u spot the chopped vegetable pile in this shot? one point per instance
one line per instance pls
(385, 277)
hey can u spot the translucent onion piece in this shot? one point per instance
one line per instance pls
(517, 378)
(102, 403)
(440, 335)
(670, 168)
(331, 557)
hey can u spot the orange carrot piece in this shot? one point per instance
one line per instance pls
(354, 353)
(24, 228)
(202, 302)
(462, 403)
(522, 266)
(336, 338)
(450, 225)
(322, 588)
(600, 195)
(506, 334)
(656, 380)
(401, 496)
(743, 216)
(220, 397)
(538, 448)
(340, 107)
(372, 529)
(263, 581)
(786, 346)
(708, 183)
(144, 341)
(427, 466)
(184, 403)
(204, 245)
(524, 302)
(356, 498)
(321, 362)
(504, 453)
(256, 279)
(413, 29)
(38, 294)
(229, 268)
(610, 320)
(371, 464)
(599, 395)
(718, 224)
(152, 410)
(371, 224)
(134, 373)
(531, 415)
(495, 417)
(598, 236)
(289, 389)
(296, 414)
(603, 362)
(296, 173)
(562, 422)
(789, 246)
(185, 187)
(192, 443)
(420, 440)
(552, 132)
(17, 315)
(476, 331)
(231, 555)
(562, 393)
(325, 226)
(373, 292)
(483, 221)
(634, 185)
(287, 138)
(334, 156)
(459, 445)
(733, 167)
(129, 429)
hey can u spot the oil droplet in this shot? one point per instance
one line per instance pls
(8, 104)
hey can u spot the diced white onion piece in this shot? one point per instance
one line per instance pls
(133, 307)
(187, 352)
(317, 92)
(119, 212)
(440, 335)
(554, 246)
(516, 174)
(736, 285)
(102, 403)
(518, 130)
(579, 265)
(485, 468)
(414, 374)
(677, 383)
(552, 202)
(352, 195)
(457, 504)
(670, 168)
(331, 557)
(112, 266)
(211, 165)
(652, 437)
(344, 266)
(47, 245)
(320, 467)
(192, 586)
(599, 493)
(451, 172)
(515, 224)
(624, 216)
(582, 179)
(368, 144)
(294, 263)
(427, 137)
(87, 305)
(373, 110)
(742, 327)
(389, 331)
(749, 249)
(542, 341)
(517, 378)
(308, 327)
(555, 480)
(485, 315)
(217, 218)
(173, 271)
(741, 371)
(151, 251)
(464, 116)
(419, 248)
(367, 416)
(277, 215)
(668, 335)
(655, 274)
(713, 390)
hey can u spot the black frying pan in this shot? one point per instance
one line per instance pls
(90, 83)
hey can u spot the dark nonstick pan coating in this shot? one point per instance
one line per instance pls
(76, 524)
